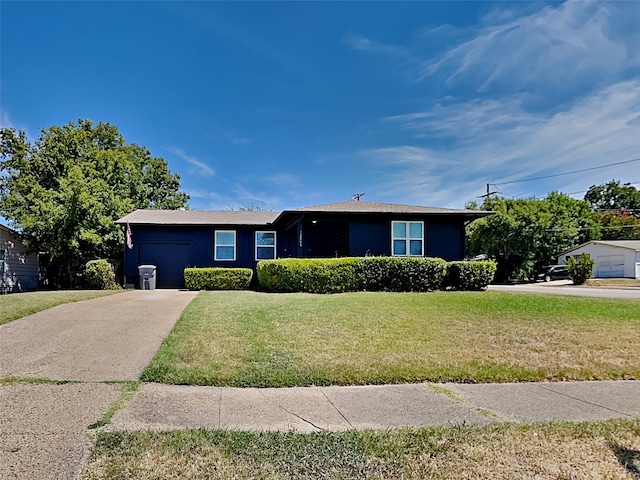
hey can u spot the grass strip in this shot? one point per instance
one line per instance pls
(609, 449)
(128, 391)
(276, 340)
(20, 305)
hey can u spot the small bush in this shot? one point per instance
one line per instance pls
(401, 274)
(216, 278)
(99, 275)
(312, 275)
(580, 268)
(470, 275)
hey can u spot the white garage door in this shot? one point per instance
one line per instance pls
(609, 266)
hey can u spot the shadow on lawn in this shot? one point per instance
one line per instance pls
(629, 459)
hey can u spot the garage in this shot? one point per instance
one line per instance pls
(612, 258)
(170, 259)
(609, 266)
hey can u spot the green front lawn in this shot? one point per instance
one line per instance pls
(18, 305)
(247, 338)
(552, 451)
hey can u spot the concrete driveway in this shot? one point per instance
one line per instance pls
(43, 426)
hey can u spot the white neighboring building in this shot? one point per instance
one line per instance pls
(18, 272)
(613, 258)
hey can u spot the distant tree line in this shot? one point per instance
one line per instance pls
(526, 234)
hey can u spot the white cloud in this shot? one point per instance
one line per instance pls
(530, 92)
(557, 49)
(498, 142)
(358, 42)
(283, 180)
(5, 121)
(200, 167)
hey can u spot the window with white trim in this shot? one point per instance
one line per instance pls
(265, 245)
(407, 239)
(225, 245)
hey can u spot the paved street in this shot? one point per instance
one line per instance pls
(565, 287)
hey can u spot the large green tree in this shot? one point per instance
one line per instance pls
(525, 234)
(613, 196)
(64, 191)
(616, 209)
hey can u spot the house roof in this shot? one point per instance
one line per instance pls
(198, 217)
(354, 206)
(628, 244)
(227, 217)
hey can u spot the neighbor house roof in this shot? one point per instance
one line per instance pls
(628, 244)
(198, 217)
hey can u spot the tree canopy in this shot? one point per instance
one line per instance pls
(526, 234)
(613, 196)
(616, 209)
(64, 191)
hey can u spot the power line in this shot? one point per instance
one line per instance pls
(590, 228)
(569, 173)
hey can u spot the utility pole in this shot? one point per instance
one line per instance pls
(489, 192)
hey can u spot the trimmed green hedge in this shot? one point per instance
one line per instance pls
(216, 278)
(393, 274)
(470, 275)
(99, 274)
(401, 274)
(334, 275)
(313, 275)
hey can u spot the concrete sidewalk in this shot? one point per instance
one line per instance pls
(166, 407)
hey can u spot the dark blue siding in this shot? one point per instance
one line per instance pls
(369, 238)
(445, 241)
(172, 249)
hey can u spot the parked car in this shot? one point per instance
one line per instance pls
(553, 272)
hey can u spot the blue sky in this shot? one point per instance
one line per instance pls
(282, 105)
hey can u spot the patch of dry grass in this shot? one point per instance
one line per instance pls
(260, 339)
(613, 282)
(601, 450)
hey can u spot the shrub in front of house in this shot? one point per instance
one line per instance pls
(217, 278)
(99, 275)
(349, 274)
(580, 268)
(312, 275)
(463, 275)
(401, 274)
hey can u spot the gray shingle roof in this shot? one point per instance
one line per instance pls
(226, 217)
(198, 217)
(354, 206)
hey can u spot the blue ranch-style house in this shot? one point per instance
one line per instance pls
(175, 239)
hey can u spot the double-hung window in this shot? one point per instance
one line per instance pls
(407, 239)
(265, 245)
(225, 245)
